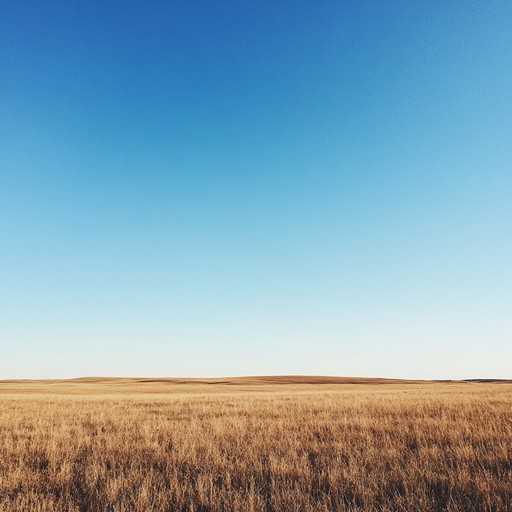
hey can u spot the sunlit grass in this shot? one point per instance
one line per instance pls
(164, 447)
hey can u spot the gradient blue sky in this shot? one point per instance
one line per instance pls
(229, 188)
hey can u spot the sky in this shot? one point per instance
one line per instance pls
(251, 188)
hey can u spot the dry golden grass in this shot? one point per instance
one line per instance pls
(161, 445)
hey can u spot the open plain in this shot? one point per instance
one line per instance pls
(255, 444)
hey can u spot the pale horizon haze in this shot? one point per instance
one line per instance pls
(201, 189)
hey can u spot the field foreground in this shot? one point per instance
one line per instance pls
(100, 445)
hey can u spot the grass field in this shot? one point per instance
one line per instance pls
(282, 444)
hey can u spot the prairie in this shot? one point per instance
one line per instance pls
(255, 444)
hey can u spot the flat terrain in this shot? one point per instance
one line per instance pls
(255, 444)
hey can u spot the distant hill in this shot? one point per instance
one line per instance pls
(246, 381)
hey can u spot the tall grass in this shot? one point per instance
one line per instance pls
(406, 447)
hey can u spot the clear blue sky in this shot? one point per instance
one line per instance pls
(229, 188)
